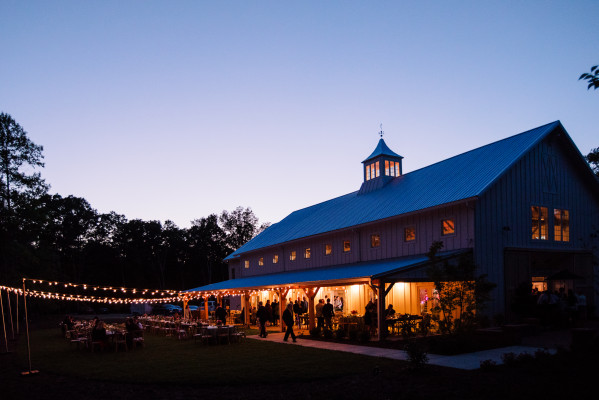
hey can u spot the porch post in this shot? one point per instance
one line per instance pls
(311, 292)
(206, 307)
(380, 310)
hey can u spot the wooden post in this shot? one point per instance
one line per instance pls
(311, 292)
(206, 308)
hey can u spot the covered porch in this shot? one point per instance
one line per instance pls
(400, 282)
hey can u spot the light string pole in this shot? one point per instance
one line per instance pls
(30, 372)
(12, 327)
(4, 323)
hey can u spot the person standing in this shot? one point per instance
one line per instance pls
(318, 312)
(327, 313)
(268, 311)
(275, 312)
(262, 316)
(288, 320)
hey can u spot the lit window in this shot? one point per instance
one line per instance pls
(396, 168)
(247, 263)
(307, 253)
(375, 240)
(275, 258)
(292, 255)
(377, 169)
(561, 225)
(387, 173)
(410, 234)
(448, 227)
(539, 222)
(261, 261)
(346, 246)
(328, 249)
(368, 172)
(372, 172)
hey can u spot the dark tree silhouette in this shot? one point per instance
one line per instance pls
(592, 77)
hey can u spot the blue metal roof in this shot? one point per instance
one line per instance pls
(382, 150)
(338, 273)
(458, 178)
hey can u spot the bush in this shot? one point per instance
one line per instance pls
(416, 353)
(509, 359)
(339, 333)
(315, 332)
(487, 365)
(364, 336)
(328, 334)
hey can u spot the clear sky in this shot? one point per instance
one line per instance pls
(178, 109)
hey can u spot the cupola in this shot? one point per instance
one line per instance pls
(380, 167)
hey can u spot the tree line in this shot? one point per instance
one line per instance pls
(48, 236)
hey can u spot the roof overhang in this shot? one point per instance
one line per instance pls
(345, 274)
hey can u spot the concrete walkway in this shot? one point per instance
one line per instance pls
(469, 361)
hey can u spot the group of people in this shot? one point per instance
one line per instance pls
(552, 304)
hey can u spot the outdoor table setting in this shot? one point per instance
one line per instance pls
(405, 324)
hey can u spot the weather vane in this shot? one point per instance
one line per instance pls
(381, 133)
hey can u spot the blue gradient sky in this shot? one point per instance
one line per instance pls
(175, 110)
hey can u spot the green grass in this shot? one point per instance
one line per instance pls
(168, 360)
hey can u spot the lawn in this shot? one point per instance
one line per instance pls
(168, 360)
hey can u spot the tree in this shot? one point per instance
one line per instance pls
(239, 225)
(593, 77)
(462, 294)
(593, 160)
(17, 151)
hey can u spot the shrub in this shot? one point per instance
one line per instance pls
(416, 353)
(364, 336)
(328, 334)
(487, 365)
(339, 333)
(315, 332)
(509, 359)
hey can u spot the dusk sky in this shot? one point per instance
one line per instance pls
(178, 109)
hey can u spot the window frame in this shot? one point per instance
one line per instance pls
(307, 253)
(443, 234)
(539, 223)
(564, 228)
(372, 237)
(348, 245)
(405, 236)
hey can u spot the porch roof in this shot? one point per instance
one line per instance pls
(334, 275)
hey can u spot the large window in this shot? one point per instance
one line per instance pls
(292, 255)
(410, 233)
(346, 246)
(447, 227)
(561, 225)
(328, 249)
(375, 240)
(539, 222)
